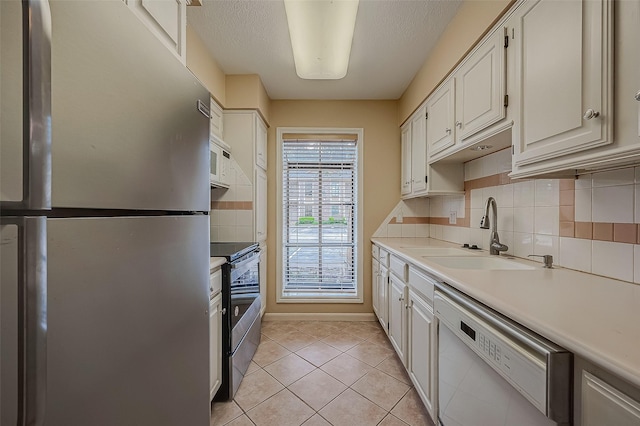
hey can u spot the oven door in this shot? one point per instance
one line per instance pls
(245, 295)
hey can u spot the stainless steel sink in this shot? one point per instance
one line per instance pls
(478, 262)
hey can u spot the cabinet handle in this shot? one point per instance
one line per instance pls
(459, 124)
(401, 299)
(638, 96)
(448, 130)
(589, 114)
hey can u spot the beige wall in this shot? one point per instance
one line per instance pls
(380, 187)
(204, 67)
(471, 22)
(246, 91)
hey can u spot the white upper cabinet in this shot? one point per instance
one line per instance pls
(470, 105)
(261, 144)
(406, 160)
(480, 88)
(420, 179)
(216, 122)
(261, 205)
(419, 152)
(441, 110)
(167, 19)
(563, 82)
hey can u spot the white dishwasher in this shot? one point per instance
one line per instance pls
(492, 371)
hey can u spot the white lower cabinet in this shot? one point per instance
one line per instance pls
(603, 404)
(375, 272)
(383, 302)
(398, 316)
(215, 344)
(421, 359)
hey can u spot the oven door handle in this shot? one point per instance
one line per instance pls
(254, 258)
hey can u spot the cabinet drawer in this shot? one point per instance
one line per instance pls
(215, 281)
(375, 251)
(384, 257)
(399, 267)
(421, 283)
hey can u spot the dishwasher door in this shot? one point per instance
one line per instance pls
(471, 393)
(494, 372)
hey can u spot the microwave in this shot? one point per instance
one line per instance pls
(220, 173)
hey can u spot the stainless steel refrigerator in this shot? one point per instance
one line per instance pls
(104, 187)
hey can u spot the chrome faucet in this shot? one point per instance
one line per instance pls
(495, 247)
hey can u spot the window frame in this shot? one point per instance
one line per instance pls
(320, 298)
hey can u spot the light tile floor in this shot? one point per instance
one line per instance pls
(317, 373)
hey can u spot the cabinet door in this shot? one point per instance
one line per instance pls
(167, 19)
(397, 316)
(420, 344)
(261, 144)
(375, 271)
(602, 404)
(563, 79)
(480, 88)
(419, 152)
(440, 121)
(383, 300)
(215, 344)
(406, 159)
(261, 205)
(216, 121)
(215, 159)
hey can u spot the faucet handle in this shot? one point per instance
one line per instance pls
(547, 259)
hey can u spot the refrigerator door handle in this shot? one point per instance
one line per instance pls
(36, 24)
(32, 299)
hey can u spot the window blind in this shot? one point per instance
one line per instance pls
(319, 205)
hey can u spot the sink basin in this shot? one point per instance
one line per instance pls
(438, 251)
(478, 262)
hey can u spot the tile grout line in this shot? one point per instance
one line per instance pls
(319, 367)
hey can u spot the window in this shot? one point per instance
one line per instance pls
(319, 217)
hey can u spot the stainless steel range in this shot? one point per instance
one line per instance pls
(240, 312)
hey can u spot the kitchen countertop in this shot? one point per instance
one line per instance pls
(596, 318)
(215, 262)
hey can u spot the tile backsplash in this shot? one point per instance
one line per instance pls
(231, 212)
(590, 224)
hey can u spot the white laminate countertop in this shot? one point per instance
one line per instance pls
(594, 317)
(215, 262)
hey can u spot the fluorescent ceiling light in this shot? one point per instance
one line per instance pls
(321, 34)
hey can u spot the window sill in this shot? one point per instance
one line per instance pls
(318, 298)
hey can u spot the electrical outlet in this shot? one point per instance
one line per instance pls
(453, 217)
(399, 217)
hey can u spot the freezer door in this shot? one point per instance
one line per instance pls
(127, 132)
(23, 320)
(128, 323)
(25, 105)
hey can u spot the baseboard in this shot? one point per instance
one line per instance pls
(318, 317)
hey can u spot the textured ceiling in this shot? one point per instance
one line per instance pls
(392, 40)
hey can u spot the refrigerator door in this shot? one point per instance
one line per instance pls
(126, 129)
(23, 320)
(128, 333)
(25, 105)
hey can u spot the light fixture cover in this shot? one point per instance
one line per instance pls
(321, 34)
